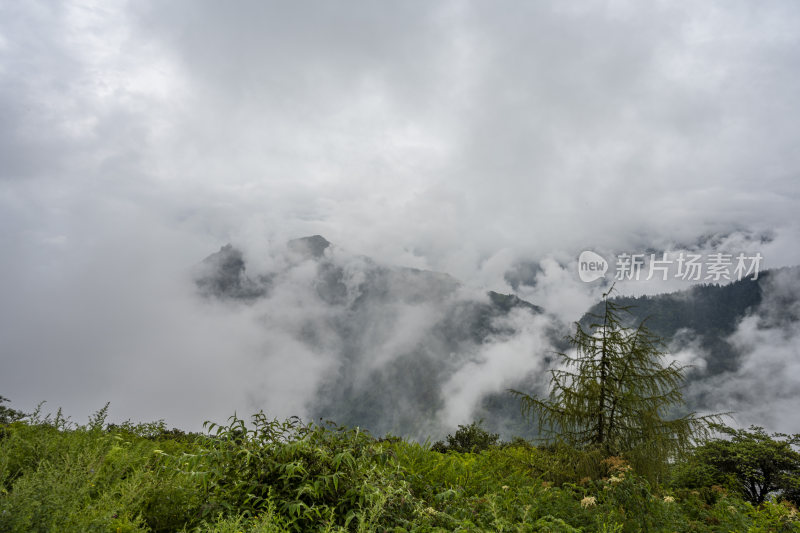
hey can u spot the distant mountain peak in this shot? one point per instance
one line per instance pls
(228, 259)
(311, 246)
(222, 274)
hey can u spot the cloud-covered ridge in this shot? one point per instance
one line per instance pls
(394, 349)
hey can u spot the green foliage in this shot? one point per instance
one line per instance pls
(316, 473)
(8, 415)
(471, 438)
(274, 476)
(57, 476)
(748, 461)
(616, 395)
(269, 521)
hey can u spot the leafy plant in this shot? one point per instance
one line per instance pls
(314, 473)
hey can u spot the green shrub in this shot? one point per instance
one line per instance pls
(57, 476)
(313, 473)
(472, 438)
(750, 462)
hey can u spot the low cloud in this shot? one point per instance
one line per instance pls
(486, 143)
(763, 390)
(686, 349)
(497, 365)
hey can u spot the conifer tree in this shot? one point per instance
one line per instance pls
(615, 394)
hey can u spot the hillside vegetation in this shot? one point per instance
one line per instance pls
(276, 476)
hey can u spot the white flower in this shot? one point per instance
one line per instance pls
(588, 501)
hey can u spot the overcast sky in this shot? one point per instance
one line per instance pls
(137, 137)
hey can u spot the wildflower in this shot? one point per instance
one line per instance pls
(616, 464)
(614, 480)
(669, 499)
(588, 501)
(505, 487)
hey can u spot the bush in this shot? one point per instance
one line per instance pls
(468, 439)
(314, 474)
(750, 462)
(58, 476)
(8, 415)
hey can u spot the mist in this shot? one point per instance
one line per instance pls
(762, 390)
(491, 146)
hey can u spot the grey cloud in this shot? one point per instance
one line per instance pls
(136, 138)
(763, 389)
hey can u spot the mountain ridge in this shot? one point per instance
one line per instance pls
(399, 342)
